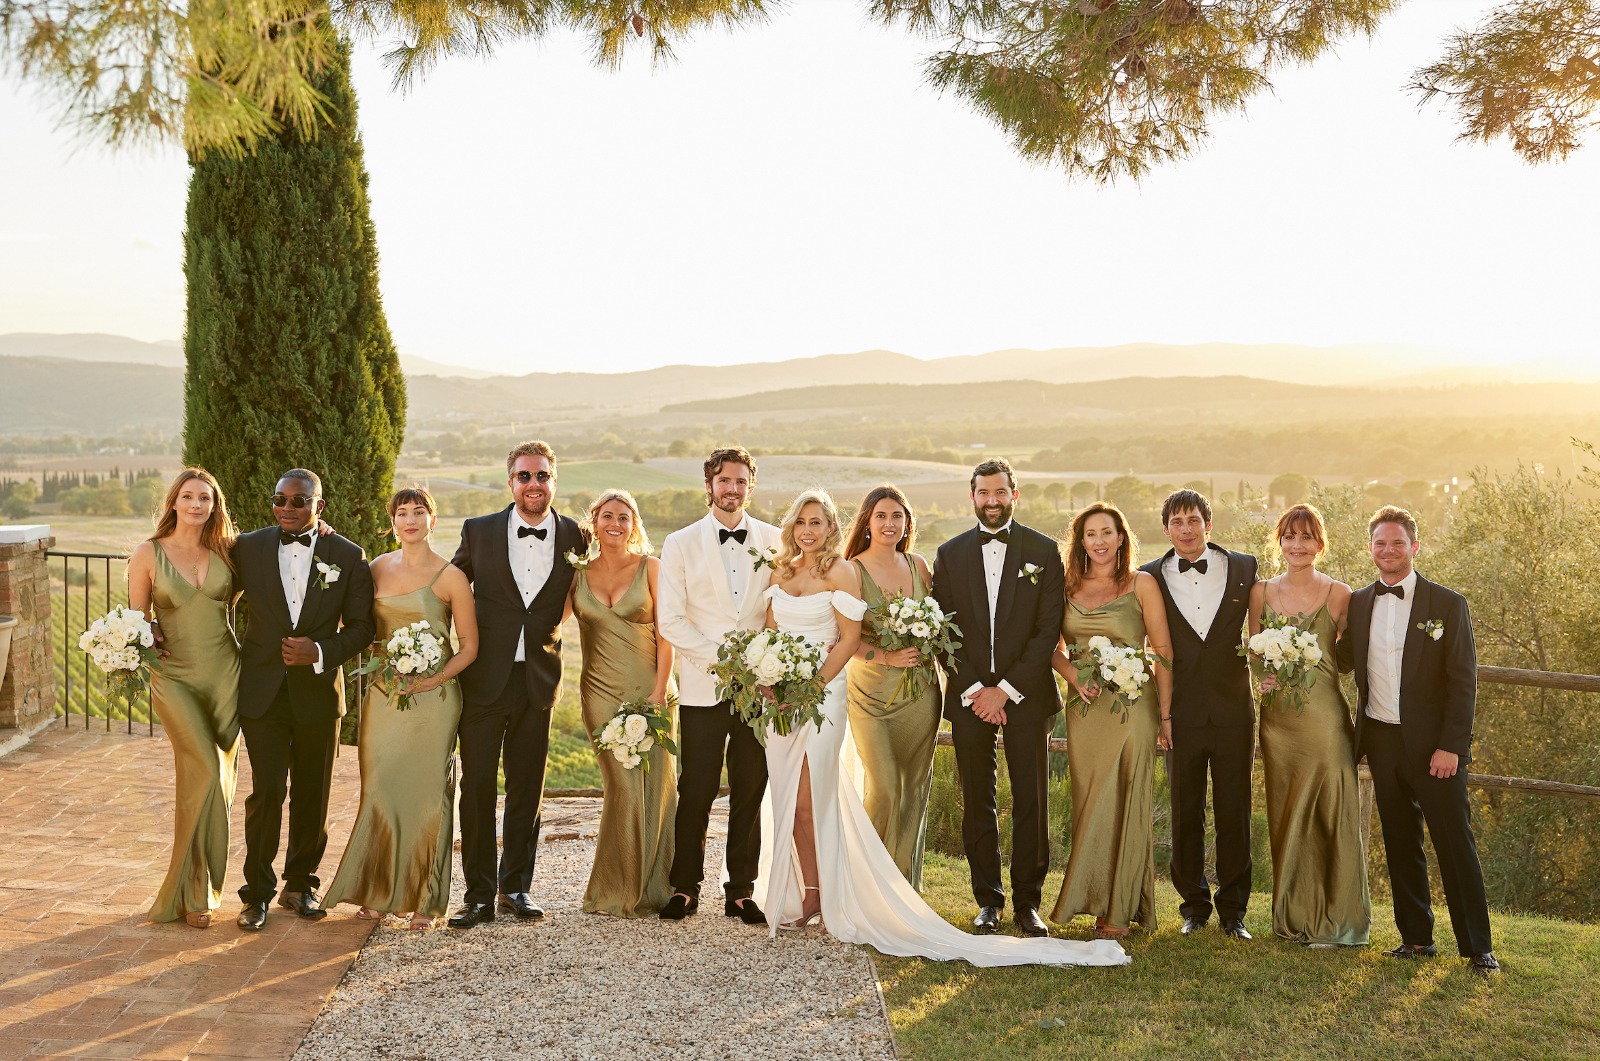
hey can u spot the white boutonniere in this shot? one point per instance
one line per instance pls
(578, 561)
(1434, 628)
(763, 558)
(1030, 572)
(327, 574)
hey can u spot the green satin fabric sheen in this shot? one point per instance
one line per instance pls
(1111, 870)
(195, 694)
(398, 857)
(1319, 868)
(633, 852)
(895, 741)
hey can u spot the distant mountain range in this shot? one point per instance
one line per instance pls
(106, 384)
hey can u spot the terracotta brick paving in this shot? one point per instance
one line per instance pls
(85, 837)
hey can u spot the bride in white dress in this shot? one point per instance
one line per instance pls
(822, 859)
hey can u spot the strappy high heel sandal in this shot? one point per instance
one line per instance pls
(369, 915)
(807, 920)
(419, 923)
(198, 918)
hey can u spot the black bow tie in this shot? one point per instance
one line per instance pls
(723, 534)
(1002, 535)
(1198, 565)
(537, 532)
(285, 538)
(1398, 591)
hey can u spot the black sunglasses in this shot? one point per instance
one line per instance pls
(296, 500)
(542, 476)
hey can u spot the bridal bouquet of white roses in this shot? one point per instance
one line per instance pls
(122, 644)
(772, 679)
(413, 651)
(638, 726)
(1289, 654)
(1119, 670)
(901, 622)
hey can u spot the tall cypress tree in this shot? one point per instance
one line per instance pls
(290, 362)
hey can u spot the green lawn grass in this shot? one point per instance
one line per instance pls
(1209, 996)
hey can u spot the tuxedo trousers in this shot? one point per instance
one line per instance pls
(1027, 750)
(708, 736)
(291, 758)
(512, 732)
(1227, 754)
(1408, 797)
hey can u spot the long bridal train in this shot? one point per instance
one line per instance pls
(865, 898)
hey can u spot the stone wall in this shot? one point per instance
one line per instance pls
(28, 695)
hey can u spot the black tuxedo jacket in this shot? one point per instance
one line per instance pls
(1027, 624)
(484, 558)
(1438, 679)
(338, 618)
(1210, 680)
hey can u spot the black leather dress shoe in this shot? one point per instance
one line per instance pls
(1235, 928)
(253, 916)
(521, 906)
(471, 915)
(1485, 965)
(306, 904)
(746, 911)
(1029, 922)
(679, 907)
(987, 921)
(1191, 925)
(1412, 950)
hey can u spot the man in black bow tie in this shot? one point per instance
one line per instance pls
(516, 560)
(1006, 587)
(308, 609)
(1410, 644)
(1206, 589)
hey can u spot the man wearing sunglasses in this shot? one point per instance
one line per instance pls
(308, 609)
(516, 560)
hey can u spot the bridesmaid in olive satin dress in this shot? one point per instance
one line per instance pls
(1319, 867)
(398, 857)
(182, 579)
(614, 597)
(894, 738)
(1111, 870)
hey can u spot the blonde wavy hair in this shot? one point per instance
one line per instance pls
(639, 540)
(789, 551)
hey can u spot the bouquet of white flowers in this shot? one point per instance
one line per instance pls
(901, 622)
(786, 664)
(1289, 654)
(413, 651)
(1119, 670)
(638, 726)
(122, 644)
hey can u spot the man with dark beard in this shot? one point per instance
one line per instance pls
(1005, 585)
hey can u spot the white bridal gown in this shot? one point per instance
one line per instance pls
(865, 899)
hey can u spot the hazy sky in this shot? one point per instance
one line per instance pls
(797, 190)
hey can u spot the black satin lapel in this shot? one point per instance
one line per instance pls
(497, 554)
(276, 598)
(1009, 573)
(1362, 603)
(568, 536)
(978, 587)
(314, 590)
(1412, 653)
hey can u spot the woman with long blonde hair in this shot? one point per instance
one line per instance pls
(182, 577)
(1111, 872)
(823, 859)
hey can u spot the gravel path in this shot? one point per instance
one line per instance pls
(582, 986)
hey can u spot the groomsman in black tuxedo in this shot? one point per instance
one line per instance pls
(1207, 593)
(1410, 643)
(309, 609)
(1005, 585)
(516, 560)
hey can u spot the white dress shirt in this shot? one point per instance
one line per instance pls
(994, 567)
(1386, 648)
(736, 560)
(294, 571)
(1197, 595)
(532, 560)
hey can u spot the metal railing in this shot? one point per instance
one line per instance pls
(79, 679)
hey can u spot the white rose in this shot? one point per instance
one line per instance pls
(645, 744)
(769, 670)
(804, 669)
(330, 575)
(1099, 643)
(632, 761)
(622, 755)
(635, 727)
(1436, 633)
(1313, 655)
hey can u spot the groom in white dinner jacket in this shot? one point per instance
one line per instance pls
(712, 582)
